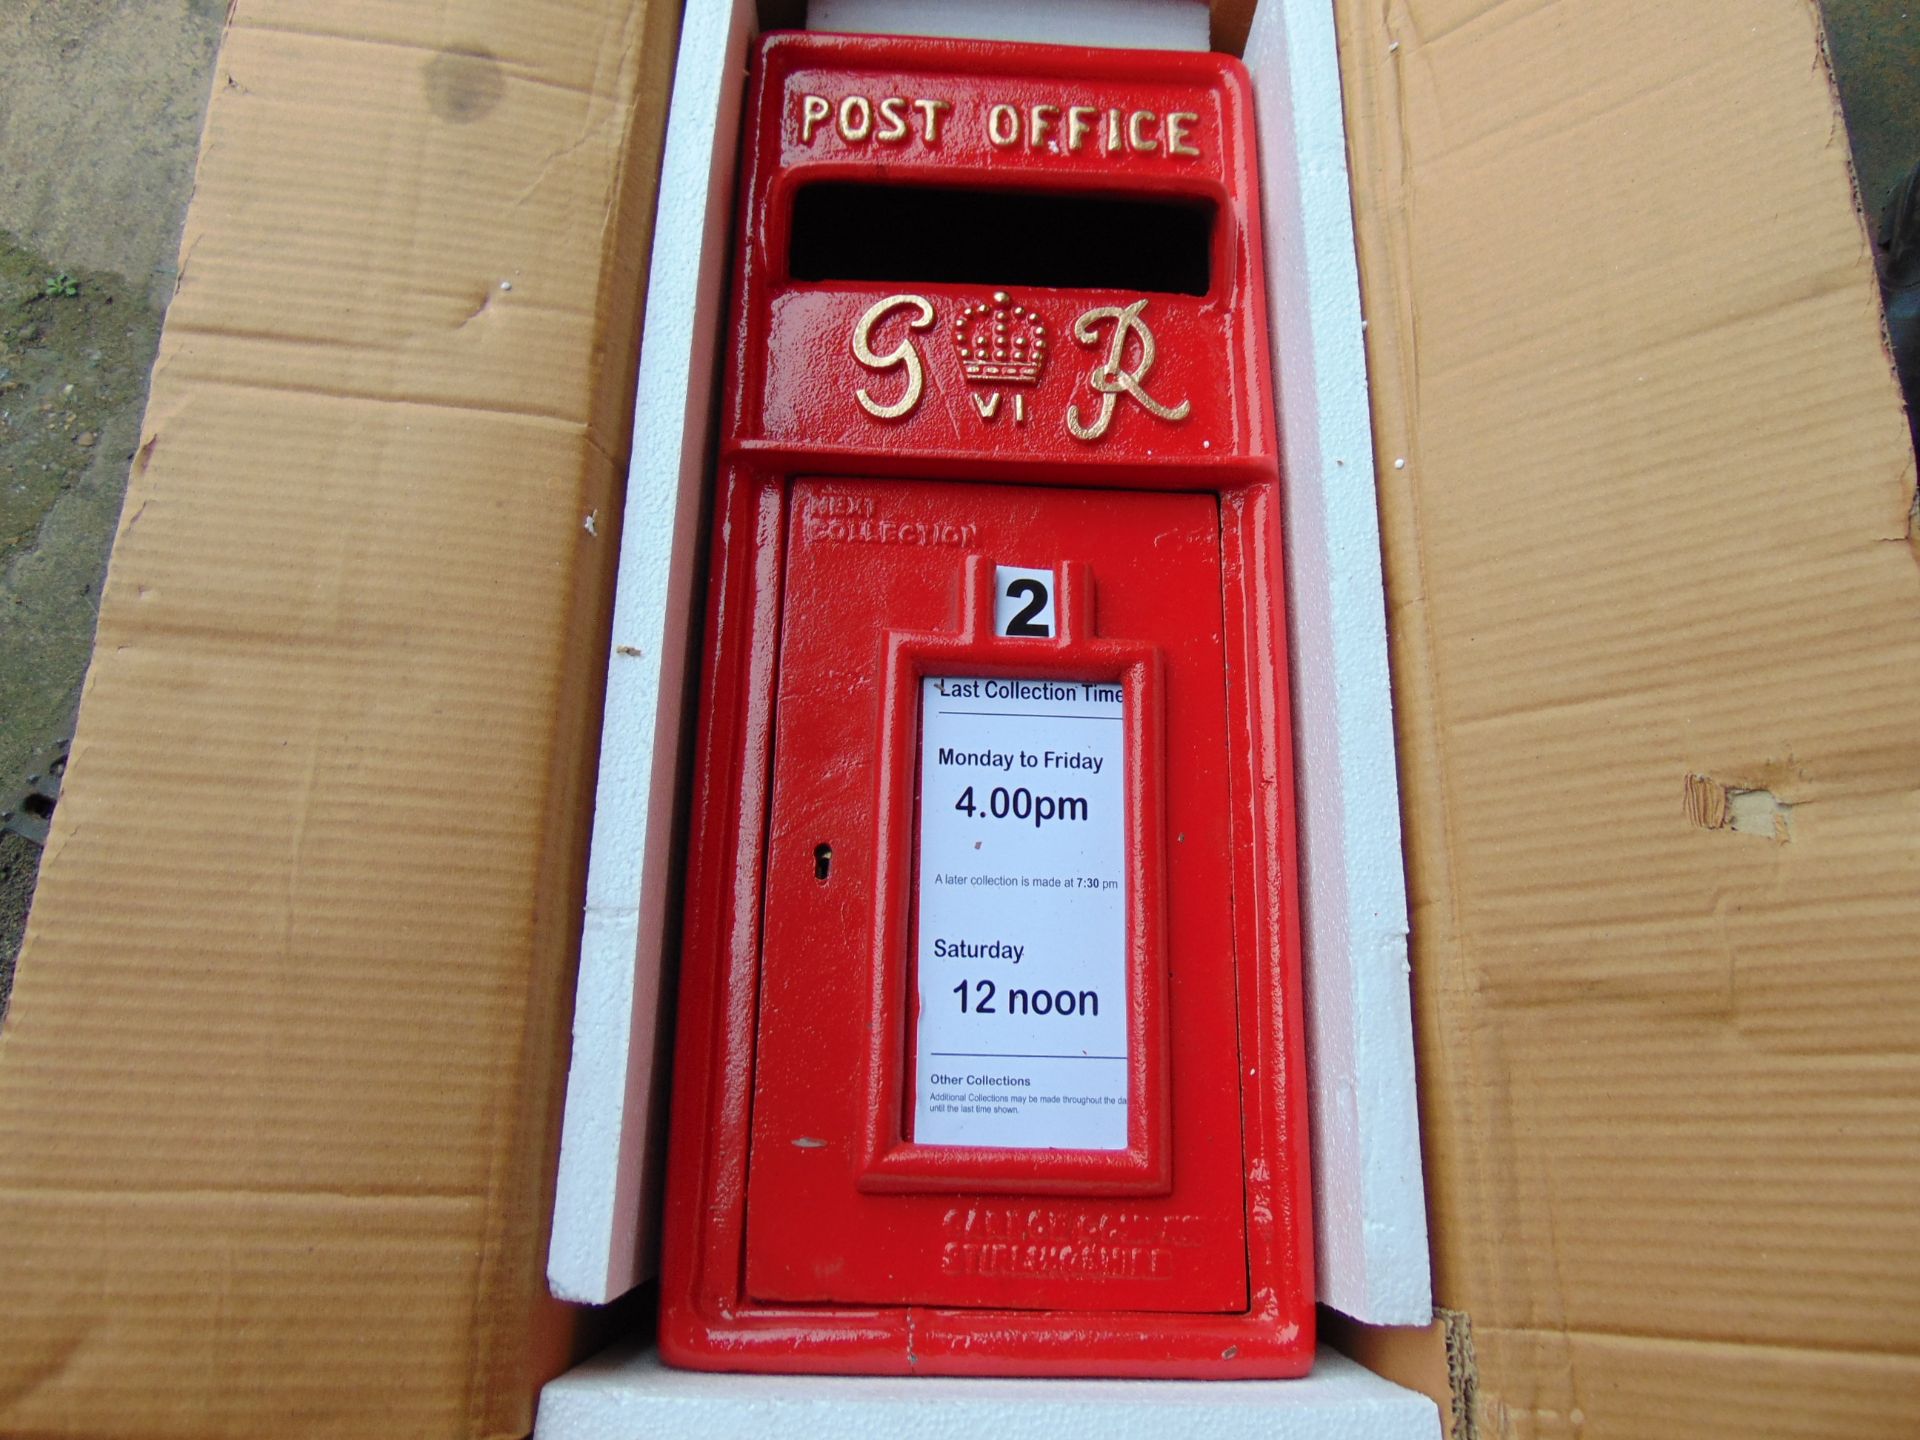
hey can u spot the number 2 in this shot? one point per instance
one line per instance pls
(1022, 624)
(1023, 602)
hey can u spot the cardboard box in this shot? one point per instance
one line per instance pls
(1653, 600)
(279, 1088)
(280, 1083)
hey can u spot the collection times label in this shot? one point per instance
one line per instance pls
(1021, 1040)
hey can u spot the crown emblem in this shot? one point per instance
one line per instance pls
(1000, 342)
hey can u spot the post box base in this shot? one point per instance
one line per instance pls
(627, 1392)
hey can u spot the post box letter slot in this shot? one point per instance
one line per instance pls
(849, 231)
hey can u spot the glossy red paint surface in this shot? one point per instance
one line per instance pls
(842, 1205)
(1124, 440)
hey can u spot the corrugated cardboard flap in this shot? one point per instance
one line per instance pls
(1656, 615)
(278, 1089)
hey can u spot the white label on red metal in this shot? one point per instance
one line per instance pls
(1023, 603)
(1021, 949)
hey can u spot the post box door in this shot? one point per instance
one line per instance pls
(997, 1061)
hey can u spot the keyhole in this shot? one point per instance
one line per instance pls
(822, 861)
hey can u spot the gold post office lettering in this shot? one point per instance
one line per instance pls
(861, 121)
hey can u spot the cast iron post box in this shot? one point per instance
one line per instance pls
(988, 1057)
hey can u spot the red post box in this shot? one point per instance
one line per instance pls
(989, 1047)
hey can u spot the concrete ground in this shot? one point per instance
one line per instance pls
(1875, 49)
(100, 109)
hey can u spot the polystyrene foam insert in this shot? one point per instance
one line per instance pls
(627, 1394)
(1370, 1219)
(604, 1202)
(1132, 24)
